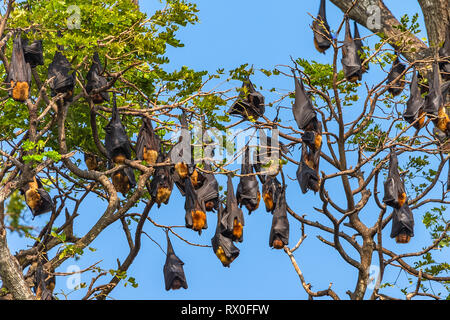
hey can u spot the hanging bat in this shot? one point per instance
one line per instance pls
(223, 246)
(63, 82)
(19, 76)
(443, 120)
(44, 283)
(351, 62)
(96, 81)
(434, 99)
(302, 108)
(402, 224)
(359, 48)
(37, 199)
(307, 172)
(208, 193)
(415, 104)
(148, 143)
(279, 232)
(181, 152)
(247, 192)
(312, 136)
(394, 190)
(195, 217)
(321, 29)
(271, 189)
(174, 276)
(93, 162)
(444, 53)
(33, 53)
(118, 148)
(233, 217)
(249, 105)
(396, 87)
(162, 183)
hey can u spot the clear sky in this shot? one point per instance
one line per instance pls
(263, 33)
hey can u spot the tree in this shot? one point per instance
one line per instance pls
(49, 133)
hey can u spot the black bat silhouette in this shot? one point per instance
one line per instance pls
(148, 144)
(63, 81)
(118, 148)
(161, 185)
(402, 224)
(250, 102)
(174, 276)
(307, 172)
(208, 193)
(279, 231)
(396, 87)
(444, 53)
(223, 246)
(96, 81)
(247, 192)
(271, 189)
(37, 199)
(321, 29)
(359, 47)
(415, 104)
(195, 217)
(351, 61)
(233, 217)
(302, 108)
(394, 190)
(434, 99)
(33, 52)
(19, 76)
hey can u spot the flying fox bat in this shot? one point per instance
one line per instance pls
(44, 283)
(37, 199)
(19, 76)
(195, 217)
(233, 217)
(443, 120)
(223, 246)
(96, 81)
(307, 172)
(351, 61)
(444, 53)
(279, 232)
(302, 108)
(402, 224)
(208, 193)
(247, 192)
(415, 104)
(434, 99)
(271, 189)
(181, 152)
(359, 47)
(321, 29)
(33, 52)
(148, 143)
(394, 190)
(174, 276)
(118, 148)
(63, 82)
(396, 87)
(93, 162)
(162, 183)
(312, 136)
(250, 104)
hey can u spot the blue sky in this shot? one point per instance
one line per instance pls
(263, 33)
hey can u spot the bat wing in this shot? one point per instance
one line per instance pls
(33, 53)
(60, 68)
(308, 177)
(116, 139)
(251, 104)
(321, 29)
(396, 70)
(303, 108)
(147, 138)
(232, 213)
(225, 243)
(173, 268)
(351, 61)
(434, 100)
(191, 205)
(280, 222)
(208, 191)
(402, 221)
(393, 185)
(444, 52)
(94, 78)
(415, 102)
